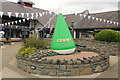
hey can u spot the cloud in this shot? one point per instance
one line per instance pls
(75, 6)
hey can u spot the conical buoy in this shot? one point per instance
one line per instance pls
(62, 41)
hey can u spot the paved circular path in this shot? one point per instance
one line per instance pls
(74, 56)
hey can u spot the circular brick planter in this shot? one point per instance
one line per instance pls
(37, 63)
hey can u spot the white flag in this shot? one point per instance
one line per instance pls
(20, 21)
(93, 18)
(8, 23)
(28, 19)
(16, 14)
(89, 17)
(104, 20)
(114, 22)
(50, 12)
(97, 19)
(1, 14)
(80, 15)
(117, 23)
(5, 23)
(23, 20)
(43, 13)
(27, 14)
(36, 15)
(100, 20)
(12, 23)
(16, 22)
(32, 15)
(108, 21)
(40, 14)
(84, 15)
(22, 14)
(111, 22)
(9, 14)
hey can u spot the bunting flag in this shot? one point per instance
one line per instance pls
(1, 14)
(16, 22)
(89, 17)
(36, 15)
(32, 15)
(50, 12)
(111, 22)
(117, 23)
(104, 20)
(17, 14)
(12, 23)
(93, 18)
(97, 19)
(27, 14)
(108, 21)
(40, 14)
(9, 14)
(114, 22)
(84, 15)
(8, 23)
(22, 14)
(100, 20)
(76, 14)
(23, 20)
(20, 21)
(80, 14)
(28, 19)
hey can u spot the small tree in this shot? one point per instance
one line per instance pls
(108, 36)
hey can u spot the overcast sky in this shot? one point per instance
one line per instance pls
(76, 6)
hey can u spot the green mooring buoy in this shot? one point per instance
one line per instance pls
(62, 41)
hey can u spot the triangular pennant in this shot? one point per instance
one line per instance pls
(117, 23)
(43, 13)
(36, 15)
(9, 14)
(108, 21)
(104, 20)
(100, 20)
(50, 12)
(16, 22)
(114, 22)
(1, 14)
(16, 14)
(12, 23)
(8, 23)
(93, 18)
(20, 21)
(89, 17)
(111, 22)
(80, 15)
(84, 15)
(62, 41)
(28, 19)
(22, 14)
(23, 20)
(32, 15)
(97, 19)
(27, 14)
(40, 14)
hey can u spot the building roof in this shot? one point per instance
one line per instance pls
(17, 8)
(90, 23)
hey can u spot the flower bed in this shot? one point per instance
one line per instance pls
(37, 63)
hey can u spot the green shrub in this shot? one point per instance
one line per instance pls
(37, 43)
(28, 50)
(108, 36)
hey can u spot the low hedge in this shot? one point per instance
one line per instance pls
(108, 36)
